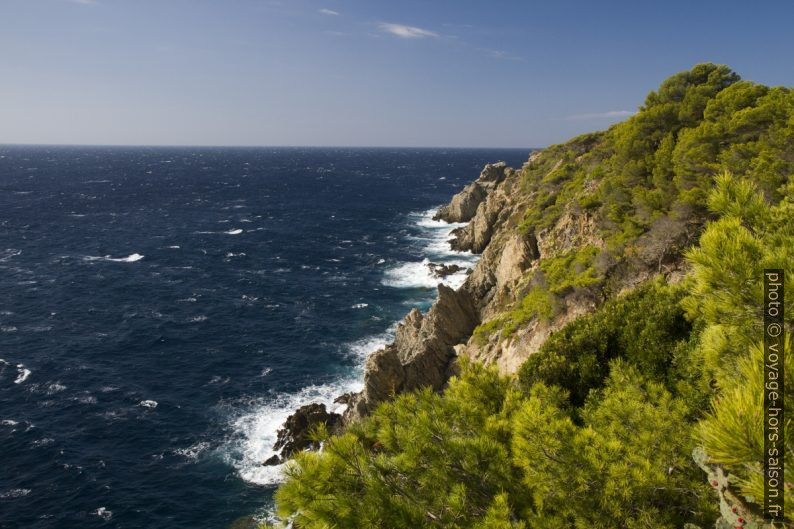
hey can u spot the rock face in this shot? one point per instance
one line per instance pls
(294, 436)
(421, 353)
(464, 205)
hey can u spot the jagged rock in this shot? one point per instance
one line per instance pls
(273, 460)
(463, 205)
(421, 353)
(443, 270)
(295, 434)
(491, 214)
(344, 398)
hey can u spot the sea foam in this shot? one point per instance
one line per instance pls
(255, 428)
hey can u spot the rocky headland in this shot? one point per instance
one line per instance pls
(426, 346)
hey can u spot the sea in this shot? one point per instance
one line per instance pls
(163, 310)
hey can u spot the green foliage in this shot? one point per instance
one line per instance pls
(726, 283)
(537, 303)
(574, 269)
(726, 296)
(732, 433)
(627, 465)
(662, 160)
(423, 460)
(646, 327)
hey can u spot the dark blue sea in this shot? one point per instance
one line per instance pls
(163, 310)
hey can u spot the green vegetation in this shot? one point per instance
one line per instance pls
(597, 428)
(538, 302)
(644, 182)
(647, 328)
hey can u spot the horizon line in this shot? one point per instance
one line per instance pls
(258, 146)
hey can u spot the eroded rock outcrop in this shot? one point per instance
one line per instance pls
(295, 435)
(463, 205)
(421, 353)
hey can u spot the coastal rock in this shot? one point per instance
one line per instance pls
(491, 214)
(463, 205)
(443, 270)
(421, 353)
(296, 432)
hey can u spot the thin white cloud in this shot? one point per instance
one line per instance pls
(84, 2)
(601, 115)
(330, 12)
(407, 32)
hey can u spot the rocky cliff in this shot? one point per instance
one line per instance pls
(517, 261)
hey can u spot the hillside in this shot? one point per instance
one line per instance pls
(599, 366)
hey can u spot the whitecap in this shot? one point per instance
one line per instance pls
(129, 259)
(7, 328)
(9, 422)
(174, 247)
(148, 403)
(360, 305)
(23, 374)
(193, 453)
(132, 258)
(55, 388)
(8, 253)
(14, 493)
(236, 231)
(197, 319)
(103, 513)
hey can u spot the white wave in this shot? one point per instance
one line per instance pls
(14, 493)
(7, 328)
(9, 422)
(148, 403)
(194, 452)
(103, 513)
(236, 231)
(255, 428)
(360, 305)
(173, 247)
(8, 253)
(419, 275)
(55, 388)
(434, 239)
(129, 259)
(23, 374)
(198, 319)
(132, 258)
(86, 399)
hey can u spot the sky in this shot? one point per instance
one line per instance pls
(440, 73)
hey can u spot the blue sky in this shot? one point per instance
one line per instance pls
(360, 72)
